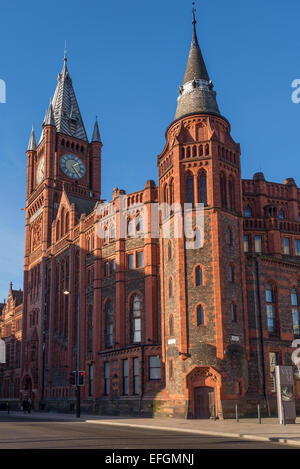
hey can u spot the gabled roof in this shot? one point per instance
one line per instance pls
(66, 111)
(17, 296)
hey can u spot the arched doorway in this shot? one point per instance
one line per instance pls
(204, 390)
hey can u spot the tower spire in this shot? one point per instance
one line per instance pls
(32, 141)
(96, 134)
(196, 94)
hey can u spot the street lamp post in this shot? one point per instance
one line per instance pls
(68, 292)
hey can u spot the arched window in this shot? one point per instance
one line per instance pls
(139, 224)
(130, 227)
(270, 305)
(295, 311)
(165, 192)
(231, 273)
(194, 151)
(200, 315)
(171, 188)
(171, 325)
(198, 276)
(231, 194)
(223, 191)
(170, 250)
(248, 212)
(201, 150)
(109, 324)
(136, 319)
(207, 149)
(171, 289)
(188, 152)
(233, 312)
(57, 230)
(62, 216)
(281, 214)
(229, 236)
(190, 189)
(67, 222)
(203, 188)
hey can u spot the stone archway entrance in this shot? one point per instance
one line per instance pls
(204, 385)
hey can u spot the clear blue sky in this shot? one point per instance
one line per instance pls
(126, 60)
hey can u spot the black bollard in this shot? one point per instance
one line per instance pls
(258, 413)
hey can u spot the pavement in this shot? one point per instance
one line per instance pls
(249, 429)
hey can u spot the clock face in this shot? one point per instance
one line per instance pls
(72, 166)
(40, 170)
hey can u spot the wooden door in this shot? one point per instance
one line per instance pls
(204, 400)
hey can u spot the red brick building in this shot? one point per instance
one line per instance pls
(11, 333)
(164, 329)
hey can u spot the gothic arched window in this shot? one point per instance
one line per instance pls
(198, 276)
(190, 189)
(200, 315)
(203, 188)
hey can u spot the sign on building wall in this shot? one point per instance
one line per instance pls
(2, 351)
(285, 394)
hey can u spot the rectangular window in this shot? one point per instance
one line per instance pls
(297, 247)
(154, 367)
(137, 330)
(114, 265)
(130, 261)
(273, 357)
(246, 243)
(257, 244)
(109, 335)
(140, 259)
(125, 377)
(286, 246)
(106, 269)
(91, 378)
(106, 379)
(135, 376)
(271, 318)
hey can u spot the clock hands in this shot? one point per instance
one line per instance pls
(73, 166)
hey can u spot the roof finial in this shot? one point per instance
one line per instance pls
(194, 11)
(65, 51)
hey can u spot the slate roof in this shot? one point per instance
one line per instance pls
(82, 205)
(66, 111)
(32, 141)
(196, 95)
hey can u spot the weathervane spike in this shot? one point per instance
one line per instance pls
(65, 51)
(194, 11)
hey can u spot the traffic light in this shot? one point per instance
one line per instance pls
(81, 378)
(73, 378)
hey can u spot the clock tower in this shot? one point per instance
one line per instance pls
(62, 168)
